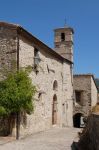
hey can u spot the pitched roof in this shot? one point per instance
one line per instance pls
(27, 34)
(86, 75)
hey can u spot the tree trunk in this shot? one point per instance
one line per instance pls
(17, 125)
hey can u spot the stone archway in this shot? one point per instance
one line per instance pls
(54, 110)
(77, 120)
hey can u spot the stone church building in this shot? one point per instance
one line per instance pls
(51, 74)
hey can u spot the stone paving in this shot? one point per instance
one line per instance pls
(53, 139)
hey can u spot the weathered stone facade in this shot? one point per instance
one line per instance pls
(64, 42)
(97, 83)
(85, 91)
(18, 45)
(8, 47)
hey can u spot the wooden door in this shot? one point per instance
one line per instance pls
(54, 110)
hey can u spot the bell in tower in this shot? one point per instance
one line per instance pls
(63, 41)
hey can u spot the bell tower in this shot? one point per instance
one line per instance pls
(63, 42)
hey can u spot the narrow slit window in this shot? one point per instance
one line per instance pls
(36, 57)
(55, 85)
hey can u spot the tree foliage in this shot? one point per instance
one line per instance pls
(16, 93)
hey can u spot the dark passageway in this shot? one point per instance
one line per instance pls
(77, 120)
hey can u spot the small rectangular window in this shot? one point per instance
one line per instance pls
(78, 96)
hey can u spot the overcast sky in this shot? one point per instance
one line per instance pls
(40, 17)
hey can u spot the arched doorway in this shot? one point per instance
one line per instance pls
(77, 120)
(54, 110)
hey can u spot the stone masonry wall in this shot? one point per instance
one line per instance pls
(8, 48)
(50, 69)
(8, 61)
(83, 83)
(94, 93)
(68, 95)
(64, 48)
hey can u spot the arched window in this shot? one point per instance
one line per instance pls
(55, 85)
(62, 36)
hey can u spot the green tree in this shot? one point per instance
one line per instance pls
(16, 95)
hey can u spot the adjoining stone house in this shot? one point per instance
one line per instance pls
(51, 74)
(97, 83)
(85, 97)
